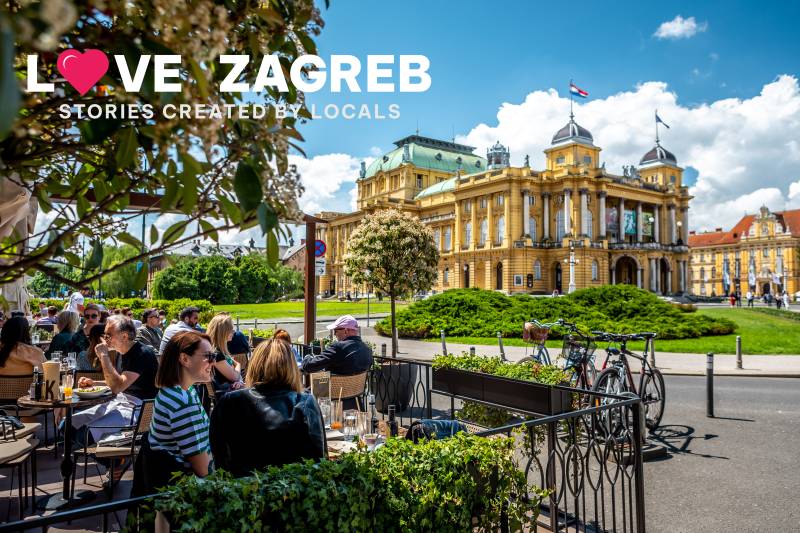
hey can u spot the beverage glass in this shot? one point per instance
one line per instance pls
(67, 383)
(337, 420)
(325, 409)
(350, 423)
(35, 338)
(72, 361)
(56, 357)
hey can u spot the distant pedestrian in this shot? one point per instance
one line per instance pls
(778, 301)
(555, 293)
(732, 300)
(749, 297)
(786, 300)
(738, 298)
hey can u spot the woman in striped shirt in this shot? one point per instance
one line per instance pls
(180, 424)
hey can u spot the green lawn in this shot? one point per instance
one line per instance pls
(761, 334)
(295, 309)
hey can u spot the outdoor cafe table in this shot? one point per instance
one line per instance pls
(63, 500)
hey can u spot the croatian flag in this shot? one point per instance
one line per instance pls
(658, 119)
(577, 91)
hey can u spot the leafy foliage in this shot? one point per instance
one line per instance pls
(245, 279)
(439, 485)
(527, 371)
(224, 173)
(615, 308)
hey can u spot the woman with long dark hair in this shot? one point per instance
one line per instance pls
(17, 356)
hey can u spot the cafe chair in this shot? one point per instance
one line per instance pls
(351, 387)
(18, 452)
(242, 359)
(14, 387)
(126, 448)
(94, 375)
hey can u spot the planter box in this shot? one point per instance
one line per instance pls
(393, 384)
(511, 393)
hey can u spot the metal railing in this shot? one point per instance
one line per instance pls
(404, 383)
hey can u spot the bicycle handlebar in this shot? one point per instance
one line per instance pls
(623, 337)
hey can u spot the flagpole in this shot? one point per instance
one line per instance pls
(656, 117)
(569, 90)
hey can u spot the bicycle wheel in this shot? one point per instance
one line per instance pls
(541, 356)
(653, 399)
(609, 422)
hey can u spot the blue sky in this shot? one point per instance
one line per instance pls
(486, 53)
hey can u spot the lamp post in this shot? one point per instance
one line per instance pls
(651, 220)
(572, 262)
(679, 240)
(368, 272)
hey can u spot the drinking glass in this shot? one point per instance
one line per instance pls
(72, 361)
(35, 338)
(325, 409)
(67, 383)
(350, 423)
(337, 420)
(56, 357)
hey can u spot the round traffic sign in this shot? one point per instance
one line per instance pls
(319, 248)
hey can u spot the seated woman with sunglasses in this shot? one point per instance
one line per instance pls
(80, 340)
(272, 422)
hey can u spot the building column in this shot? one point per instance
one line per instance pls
(652, 268)
(489, 222)
(488, 285)
(639, 225)
(672, 226)
(657, 223)
(658, 276)
(567, 211)
(601, 213)
(681, 277)
(669, 281)
(455, 241)
(613, 275)
(473, 207)
(621, 220)
(584, 198)
(506, 237)
(685, 227)
(526, 214)
(546, 215)
(639, 275)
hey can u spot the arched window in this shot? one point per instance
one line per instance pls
(501, 229)
(713, 272)
(468, 233)
(595, 271)
(537, 269)
(702, 273)
(448, 238)
(587, 223)
(560, 225)
(484, 234)
(446, 276)
(532, 228)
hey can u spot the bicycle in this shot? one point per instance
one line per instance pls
(537, 332)
(617, 379)
(577, 351)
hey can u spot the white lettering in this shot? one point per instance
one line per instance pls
(168, 111)
(229, 84)
(348, 76)
(132, 84)
(375, 73)
(270, 64)
(316, 77)
(414, 67)
(162, 74)
(64, 111)
(34, 85)
(394, 111)
(351, 114)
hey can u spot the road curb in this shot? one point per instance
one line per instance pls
(727, 374)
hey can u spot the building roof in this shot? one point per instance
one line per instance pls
(658, 154)
(436, 188)
(426, 152)
(789, 219)
(573, 132)
(197, 249)
(293, 250)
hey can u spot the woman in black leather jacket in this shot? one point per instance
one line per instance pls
(272, 421)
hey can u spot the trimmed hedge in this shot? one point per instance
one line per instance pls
(138, 305)
(614, 308)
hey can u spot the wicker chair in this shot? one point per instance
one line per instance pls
(242, 359)
(351, 386)
(14, 387)
(140, 425)
(94, 375)
(17, 451)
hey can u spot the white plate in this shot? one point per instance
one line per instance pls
(90, 395)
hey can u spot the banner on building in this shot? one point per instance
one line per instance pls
(612, 219)
(647, 227)
(630, 222)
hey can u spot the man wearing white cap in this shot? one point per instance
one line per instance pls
(347, 356)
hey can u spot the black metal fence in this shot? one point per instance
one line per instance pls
(589, 458)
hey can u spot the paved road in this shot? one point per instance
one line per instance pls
(736, 472)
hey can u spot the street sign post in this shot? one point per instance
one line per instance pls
(319, 248)
(319, 266)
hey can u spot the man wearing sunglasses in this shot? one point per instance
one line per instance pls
(347, 356)
(150, 333)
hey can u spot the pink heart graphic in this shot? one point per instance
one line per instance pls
(82, 71)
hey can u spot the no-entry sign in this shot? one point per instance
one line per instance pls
(319, 248)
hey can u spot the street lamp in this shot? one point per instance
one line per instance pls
(572, 262)
(367, 272)
(680, 225)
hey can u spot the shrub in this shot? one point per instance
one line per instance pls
(615, 308)
(438, 485)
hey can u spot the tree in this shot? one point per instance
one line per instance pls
(395, 254)
(224, 173)
(120, 282)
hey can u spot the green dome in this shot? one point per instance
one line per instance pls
(428, 153)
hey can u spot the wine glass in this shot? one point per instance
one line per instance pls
(350, 423)
(56, 357)
(72, 361)
(325, 409)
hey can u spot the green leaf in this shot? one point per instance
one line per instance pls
(127, 238)
(174, 232)
(126, 148)
(9, 88)
(140, 280)
(230, 209)
(82, 205)
(267, 217)
(199, 77)
(247, 185)
(98, 130)
(153, 234)
(272, 249)
(96, 256)
(191, 166)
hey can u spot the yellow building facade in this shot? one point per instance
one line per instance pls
(760, 254)
(525, 230)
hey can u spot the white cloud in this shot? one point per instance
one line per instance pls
(746, 151)
(680, 28)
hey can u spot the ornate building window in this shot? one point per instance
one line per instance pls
(483, 202)
(713, 272)
(560, 225)
(446, 276)
(560, 160)
(501, 229)
(467, 206)
(703, 274)
(448, 237)
(419, 181)
(531, 199)
(587, 222)
(537, 269)
(595, 269)
(499, 199)
(468, 233)
(532, 228)
(484, 234)
(437, 238)
(587, 160)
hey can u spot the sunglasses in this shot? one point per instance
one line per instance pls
(209, 356)
(92, 315)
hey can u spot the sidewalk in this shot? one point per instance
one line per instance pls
(685, 364)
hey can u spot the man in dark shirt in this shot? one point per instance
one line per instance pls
(347, 356)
